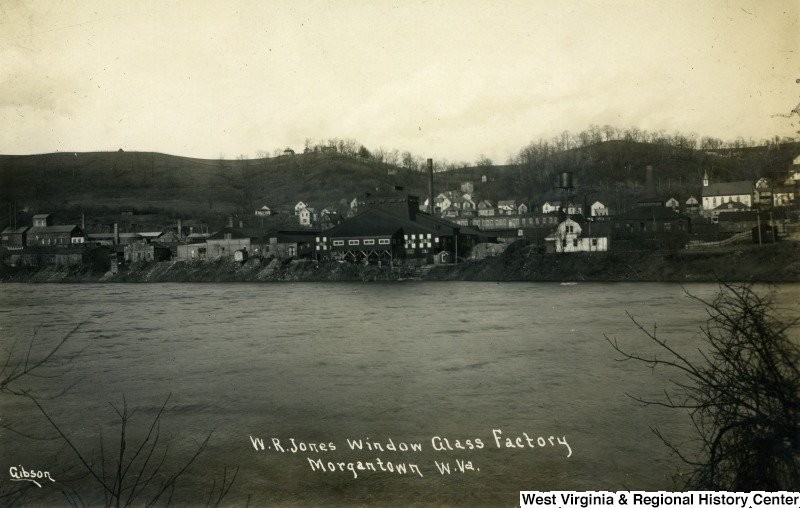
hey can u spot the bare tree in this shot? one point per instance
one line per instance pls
(136, 473)
(742, 395)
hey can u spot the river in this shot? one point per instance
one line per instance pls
(425, 363)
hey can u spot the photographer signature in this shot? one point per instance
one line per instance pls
(20, 474)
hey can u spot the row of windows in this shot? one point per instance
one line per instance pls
(726, 199)
(368, 241)
(514, 222)
(575, 242)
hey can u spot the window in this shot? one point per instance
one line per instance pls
(575, 242)
(338, 243)
(594, 242)
(369, 242)
(352, 242)
(569, 229)
(383, 241)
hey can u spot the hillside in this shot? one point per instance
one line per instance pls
(101, 184)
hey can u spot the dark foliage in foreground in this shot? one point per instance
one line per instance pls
(743, 394)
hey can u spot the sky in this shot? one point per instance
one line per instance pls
(445, 79)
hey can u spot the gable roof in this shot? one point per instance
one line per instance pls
(728, 188)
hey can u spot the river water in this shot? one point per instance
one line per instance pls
(324, 363)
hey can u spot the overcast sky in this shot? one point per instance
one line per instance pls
(443, 79)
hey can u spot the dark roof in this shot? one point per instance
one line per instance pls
(437, 224)
(371, 222)
(17, 231)
(66, 228)
(728, 188)
(651, 213)
(295, 236)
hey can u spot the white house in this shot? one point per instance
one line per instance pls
(486, 208)
(468, 204)
(299, 206)
(264, 211)
(307, 216)
(598, 209)
(568, 237)
(692, 205)
(522, 209)
(551, 206)
(507, 207)
(672, 203)
(715, 194)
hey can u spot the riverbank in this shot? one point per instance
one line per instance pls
(770, 263)
(520, 262)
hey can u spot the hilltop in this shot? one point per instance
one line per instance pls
(99, 183)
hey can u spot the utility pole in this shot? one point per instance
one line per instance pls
(758, 217)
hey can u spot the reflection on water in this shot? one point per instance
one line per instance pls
(324, 363)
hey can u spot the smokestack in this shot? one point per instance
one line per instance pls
(83, 221)
(430, 186)
(566, 180)
(180, 230)
(116, 233)
(649, 184)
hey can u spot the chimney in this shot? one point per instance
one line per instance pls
(430, 186)
(649, 185)
(83, 222)
(180, 230)
(116, 233)
(565, 181)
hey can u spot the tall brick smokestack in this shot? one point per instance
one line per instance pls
(649, 183)
(430, 186)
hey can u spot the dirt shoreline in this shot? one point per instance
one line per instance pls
(772, 263)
